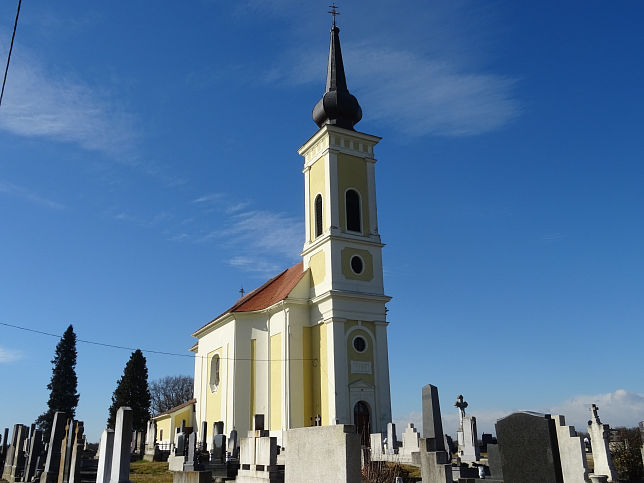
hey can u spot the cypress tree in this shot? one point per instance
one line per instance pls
(63, 384)
(132, 390)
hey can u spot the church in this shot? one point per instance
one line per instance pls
(309, 346)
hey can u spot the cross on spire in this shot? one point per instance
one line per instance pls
(333, 11)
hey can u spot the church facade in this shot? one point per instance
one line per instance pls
(310, 345)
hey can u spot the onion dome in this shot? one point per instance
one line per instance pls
(337, 106)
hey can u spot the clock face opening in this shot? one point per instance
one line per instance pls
(357, 265)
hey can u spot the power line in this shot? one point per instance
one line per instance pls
(6, 69)
(150, 351)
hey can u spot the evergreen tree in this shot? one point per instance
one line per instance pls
(132, 390)
(62, 387)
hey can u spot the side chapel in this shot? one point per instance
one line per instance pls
(310, 345)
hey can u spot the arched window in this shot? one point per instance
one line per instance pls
(352, 199)
(318, 215)
(214, 372)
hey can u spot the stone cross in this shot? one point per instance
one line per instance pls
(318, 420)
(461, 405)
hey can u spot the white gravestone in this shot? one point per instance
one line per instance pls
(468, 445)
(120, 472)
(105, 456)
(599, 441)
(571, 452)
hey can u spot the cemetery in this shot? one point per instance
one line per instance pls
(529, 447)
(292, 382)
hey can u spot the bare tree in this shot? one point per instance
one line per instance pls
(170, 391)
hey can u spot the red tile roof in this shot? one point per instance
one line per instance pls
(273, 291)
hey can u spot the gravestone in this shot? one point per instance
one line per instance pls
(150, 441)
(3, 449)
(218, 445)
(192, 459)
(258, 422)
(105, 449)
(599, 437)
(435, 464)
(392, 441)
(528, 447)
(323, 454)
(468, 445)
(574, 467)
(432, 422)
(120, 471)
(15, 463)
(641, 434)
(66, 451)
(494, 461)
(410, 440)
(177, 456)
(52, 462)
(377, 447)
(203, 436)
(77, 448)
(233, 444)
(35, 449)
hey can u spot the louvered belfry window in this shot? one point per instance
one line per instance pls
(318, 215)
(353, 210)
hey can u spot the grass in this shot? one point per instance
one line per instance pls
(150, 472)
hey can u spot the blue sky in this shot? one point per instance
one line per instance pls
(148, 169)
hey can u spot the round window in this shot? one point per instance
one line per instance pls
(356, 264)
(359, 344)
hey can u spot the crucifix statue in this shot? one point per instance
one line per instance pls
(593, 410)
(461, 405)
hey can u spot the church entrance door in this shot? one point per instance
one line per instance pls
(361, 422)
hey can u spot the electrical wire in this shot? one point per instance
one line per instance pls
(6, 70)
(150, 351)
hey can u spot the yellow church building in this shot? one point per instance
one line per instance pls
(310, 345)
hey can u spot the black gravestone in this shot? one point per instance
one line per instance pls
(432, 423)
(528, 448)
(494, 461)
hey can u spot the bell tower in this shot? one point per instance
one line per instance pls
(343, 251)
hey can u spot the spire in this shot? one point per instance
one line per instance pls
(337, 106)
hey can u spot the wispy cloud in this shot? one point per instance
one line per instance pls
(265, 232)
(209, 198)
(7, 356)
(416, 94)
(41, 102)
(256, 265)
(552, 237)
(11, 189)
(260, 241)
